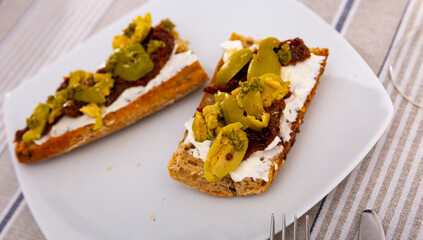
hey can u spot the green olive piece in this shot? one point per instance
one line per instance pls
(142, 28)
(226, 152)
(129, 31)
(56, 103)
(169, 25)
(199, 128)
(231, 111)
(36, 123)
(77, 77)
(136, 32)
(256, 124)
(266, 60)
(94, 111)
(96, 93)
(249, 97)
(261, 92)
(252, 104)
(235, 63)
(111, 63)
(88, 94)
(284, 54)
(132, 62)
(211, 115)
(153, 45)
(220, 125)
(274, 89)
(104, 82)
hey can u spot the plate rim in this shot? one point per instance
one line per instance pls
(31, 202)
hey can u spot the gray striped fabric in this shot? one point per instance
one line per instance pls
(45, 30)
(36, 40)
(389, 177)
(385, 32)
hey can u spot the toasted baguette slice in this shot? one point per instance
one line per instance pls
(190, 78)
(187, 169)
(183, 82)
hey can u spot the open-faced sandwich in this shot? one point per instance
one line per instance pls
(249, 116)
(150, 68)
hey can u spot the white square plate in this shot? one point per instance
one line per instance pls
(112, 188)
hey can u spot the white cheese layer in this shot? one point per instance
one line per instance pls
(258, 164)
(201, 149)
(303, 77)
(230, 47)
(175, 64)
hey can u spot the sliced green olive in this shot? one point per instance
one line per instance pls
(261, 92)
(136, 32)
(142, 28)
(104, 82)
(234, 64)
(76, 80)
(36, 123)
(208, 173)
(231, 111)
(284, 54)
(199, 128)
(79, 88)
(111, 63)
(153, 45)
(211, 114)
(129, 31)
(94, 111)
(169, 25)
(88, 94)
(220, 125)
(252, 104)
(56, 103)
(131, 62)
(274, 89)
(249, 97)
(266, 60)
(226, 152)
(257, 124)
(78, 77)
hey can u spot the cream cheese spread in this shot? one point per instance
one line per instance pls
(175, 64)
(201, 149)
(230, 47)
(303, 77)
(258, 164)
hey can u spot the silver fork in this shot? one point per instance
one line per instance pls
(272, 227)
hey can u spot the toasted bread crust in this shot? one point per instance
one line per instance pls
(180, 166)
(188, 79)
(185, 168)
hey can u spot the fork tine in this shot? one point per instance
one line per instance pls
(272, 227)
(283, 227)
(283, 232)
(295, 227)
(307, 236)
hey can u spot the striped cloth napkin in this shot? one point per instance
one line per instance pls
(389, 179)
(33, 33)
